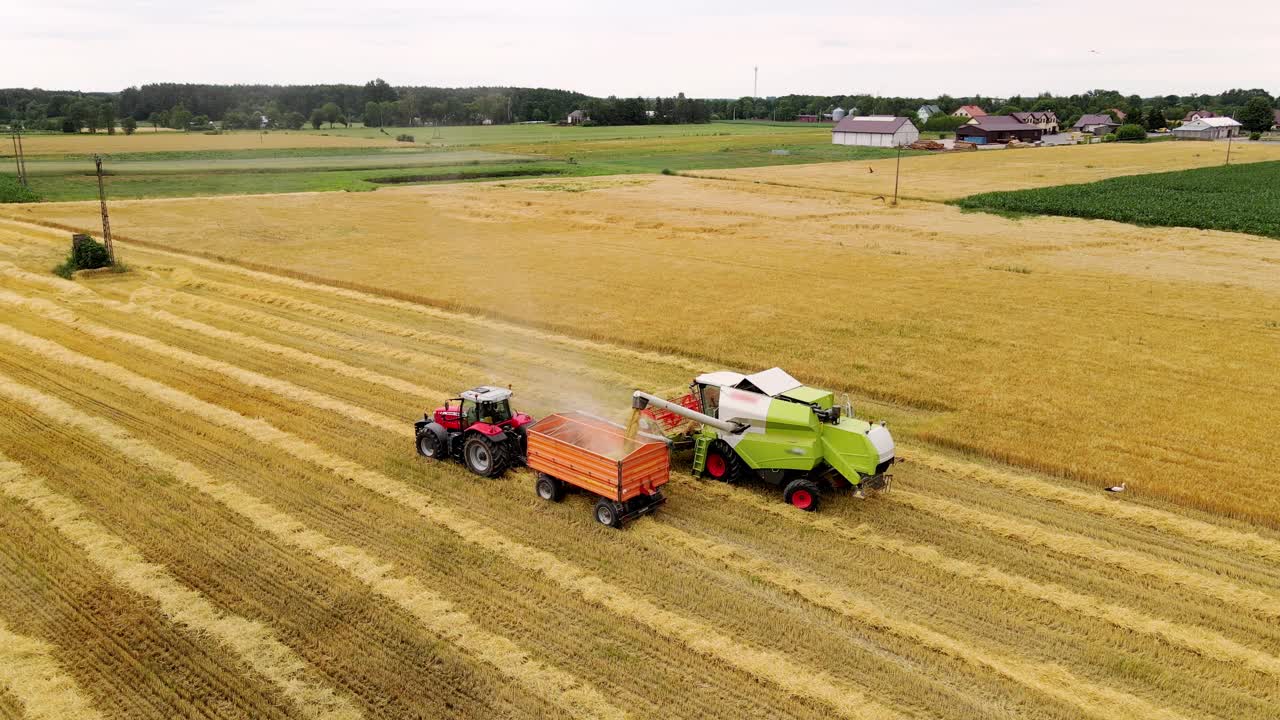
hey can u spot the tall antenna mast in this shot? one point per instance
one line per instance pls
(755, 84)
(106, 222)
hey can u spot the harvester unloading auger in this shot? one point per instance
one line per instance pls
(769, 424)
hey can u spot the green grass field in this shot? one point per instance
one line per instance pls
(453, 154)
(1238, 198)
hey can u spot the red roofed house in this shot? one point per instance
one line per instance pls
(874, 131)
(969, 111)
(1195, 115)
(1120, 114)
(998, 129)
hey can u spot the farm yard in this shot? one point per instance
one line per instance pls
(214, 448)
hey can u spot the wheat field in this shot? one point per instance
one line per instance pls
(1088, 350)
(212, 509)
(146, 141)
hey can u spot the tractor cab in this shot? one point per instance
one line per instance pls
(487, 405)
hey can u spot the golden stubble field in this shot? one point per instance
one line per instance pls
(960, 174)
(210, 507)
(1096, 351)
(148, 141)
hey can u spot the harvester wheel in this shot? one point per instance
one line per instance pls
(549, 488)
(606, 512)
(485, 457)
(723, 463)
(802, 493)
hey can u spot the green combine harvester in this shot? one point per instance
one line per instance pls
(769, 424)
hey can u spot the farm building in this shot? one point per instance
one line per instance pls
(1212, 128)
(807, 118)
(969, 111)
(1118, 114)
(1046, 120)
(1198, 115)
(927, 111)
(839, 114)
(874, 131)
(1096, 123)
(577, 117)
(991, 129)
(1276, 122)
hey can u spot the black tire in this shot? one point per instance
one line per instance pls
(548, 488)
(803, 493)
(429, 445)
(606, 512)
(722, 463)
(484, 457)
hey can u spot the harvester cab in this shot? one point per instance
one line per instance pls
(772, 426)
(478, 428)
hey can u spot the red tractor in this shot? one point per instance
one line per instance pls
(478, 429)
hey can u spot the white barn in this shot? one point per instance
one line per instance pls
(1208, 128)
(874, 131)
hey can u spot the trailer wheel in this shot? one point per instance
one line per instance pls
(723, 463)
(606, 512)
(549, 488)
(484, 457)
(802, 493)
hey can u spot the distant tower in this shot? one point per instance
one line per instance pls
(755, 84)
(838, 114)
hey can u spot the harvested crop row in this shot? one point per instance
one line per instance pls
(1197, 639)
(29, 671)
(844, 698)
(1053, 681)
(1082, 547)
(434, 612)
(252, 641)
(1198, 530)
(56, 313)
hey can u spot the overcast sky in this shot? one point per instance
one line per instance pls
(658, 47)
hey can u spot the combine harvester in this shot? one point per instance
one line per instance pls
(772, 426)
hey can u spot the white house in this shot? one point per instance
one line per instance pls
(927, 111)
(874, 131)
(1208, 128)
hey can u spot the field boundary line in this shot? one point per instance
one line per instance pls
(1201, 641)
(437, 614)
(283, 388)
(30, 673)
(778, 669)
(372, 296)
(253, 642)
(1048, 679)
(1149, 517)
(1087, 549)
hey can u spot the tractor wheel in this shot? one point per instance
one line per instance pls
(802, 493)
(484, 457)
(429, 445)
(723, 463)
(606, 512)
(549, 488)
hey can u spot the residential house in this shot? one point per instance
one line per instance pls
(577, 117)
(927, 111)
(1119, 114)
(1198, 114)
(1096, 123)
(1046, 120)
(1276, 125)
(1211, 128)
(874, 131)
(969, 111)
(998, 129)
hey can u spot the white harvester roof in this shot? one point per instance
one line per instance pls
(485, 393)
(771, 382)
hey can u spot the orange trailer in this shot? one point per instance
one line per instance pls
(595, 455)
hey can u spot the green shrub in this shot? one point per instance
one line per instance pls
(1109, 137)
(404, 138)
(88, 254)
(944, 122)
(12, 191)
(1255, 136)
(1131, 132)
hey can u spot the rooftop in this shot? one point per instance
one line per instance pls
(871, 124)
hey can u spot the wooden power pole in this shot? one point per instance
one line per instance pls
(106, 221)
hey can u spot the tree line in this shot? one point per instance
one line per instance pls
(377, 103)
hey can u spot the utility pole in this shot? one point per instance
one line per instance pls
(17, 160)
(106, 222)
(897, 170)
(1228, 148)
(22, 159)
